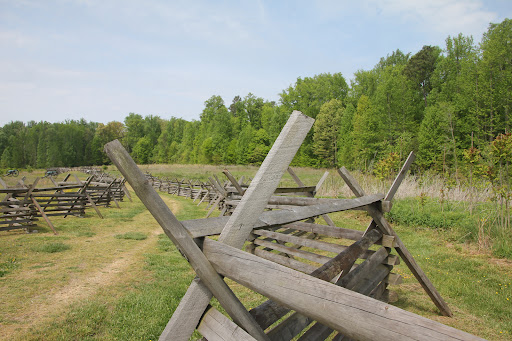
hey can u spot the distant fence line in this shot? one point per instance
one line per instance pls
(24, 203)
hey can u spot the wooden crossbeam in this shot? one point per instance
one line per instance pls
(212, 226)
(299, 182)
(401, 249)
(43, 214)
(234, 182)
(215, 326)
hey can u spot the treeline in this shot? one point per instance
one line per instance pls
(447, 104)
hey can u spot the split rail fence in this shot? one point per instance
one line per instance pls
(320, 280)
(23, 204)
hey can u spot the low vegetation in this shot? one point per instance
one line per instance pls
(115, 288)
(51, 247)
(131, 235)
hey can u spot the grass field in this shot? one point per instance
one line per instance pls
(120, 278)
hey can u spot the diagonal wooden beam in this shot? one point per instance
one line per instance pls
(183, 241)
(234, 182)
(396, 184)
(41, 211)
(386, 228)
(212, 226)
(241, 222)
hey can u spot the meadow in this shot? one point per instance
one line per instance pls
(120, 278)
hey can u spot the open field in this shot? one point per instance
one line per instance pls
(120, 278)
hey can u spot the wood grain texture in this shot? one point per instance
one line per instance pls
(353, 314)
(207, 227)
(401, 249)
(215, 326)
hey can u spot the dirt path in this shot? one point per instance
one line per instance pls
(123, 268)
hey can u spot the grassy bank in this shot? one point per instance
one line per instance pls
(478, 227)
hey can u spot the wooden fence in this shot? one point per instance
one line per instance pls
(24, 204)
(321, 286)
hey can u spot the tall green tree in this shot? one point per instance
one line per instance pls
(326, 131)
(366, 134)
(496, 77)
(310, 93)
(420, 68)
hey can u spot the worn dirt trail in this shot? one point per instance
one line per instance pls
(124, 268)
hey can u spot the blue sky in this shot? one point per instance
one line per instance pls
(100, 60)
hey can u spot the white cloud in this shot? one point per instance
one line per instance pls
(15, 39)
(442, 16)
(433, 17)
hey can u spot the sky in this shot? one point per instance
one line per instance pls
(101, 60)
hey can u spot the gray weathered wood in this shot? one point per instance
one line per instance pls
(215, 204)
(343, 262)
(396, 184)
(297, 180)
(233, 181)
(286, 261)
(43, 214)
(289, 328)
(215, 326)
(400, 177)
(295, 190)
(353, 314)
(216, 184)
(364, 269)
(292, 251)
(316, 333)
(321, 181)
(316, 244)
(335, 232)
(382, 223)
(178, 234)
(345, 259)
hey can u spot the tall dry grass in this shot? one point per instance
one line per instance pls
(429, 185)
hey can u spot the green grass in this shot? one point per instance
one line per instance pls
(8, 265)
(132, 236)
(455, 218)
(476, 286)
(51, 247)
(142, 310)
